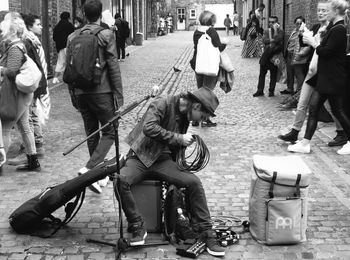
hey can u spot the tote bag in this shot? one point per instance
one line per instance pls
(29, 76)
(8, 100)
(208, 57)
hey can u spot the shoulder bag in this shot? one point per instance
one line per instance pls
(29, 76)
(8, 100)
(208, 57)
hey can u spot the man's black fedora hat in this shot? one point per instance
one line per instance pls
(207, 98)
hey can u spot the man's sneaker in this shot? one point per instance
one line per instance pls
(212, 244)
(258, 94)
(299, 147)
(95, 187)
(345, 149)
(139, 234)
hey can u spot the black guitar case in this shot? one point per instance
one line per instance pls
(35, 214)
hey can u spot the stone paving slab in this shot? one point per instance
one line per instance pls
(246, 126)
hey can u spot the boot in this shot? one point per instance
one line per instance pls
(32, 165)
(339, 140)
(292, 136)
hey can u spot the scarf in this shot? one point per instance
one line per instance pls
(39, 48)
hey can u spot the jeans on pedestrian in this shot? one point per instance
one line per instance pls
(27, 135)
(206, 81)
(227, 29)
(337, 107)
(303, 104)
(96, 110)
(35, 124)
(273, 76)
(300, 71)
(164, 169)
(121, 47)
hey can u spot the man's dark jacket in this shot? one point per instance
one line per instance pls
(271, 47)
(61, 32)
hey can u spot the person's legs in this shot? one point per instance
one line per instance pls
(36, 127)
(102, 107)
(290, 75)
(118, 45)
(227, 30)
(199, 80)
(90, 121)
(300, 73)
(122, 47)
(210, 81)
(273, 78)
(303, 104)
(316, 102)
(261, 83)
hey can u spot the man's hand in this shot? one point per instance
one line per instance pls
(187, 139)
(2, 156)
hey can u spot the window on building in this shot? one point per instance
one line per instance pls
(193, 14)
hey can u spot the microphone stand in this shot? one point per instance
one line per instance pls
(122, 244)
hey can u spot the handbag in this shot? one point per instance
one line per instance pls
(29, 76)
(8, 100)
(243, 34)
(208, 57)
(225, 62)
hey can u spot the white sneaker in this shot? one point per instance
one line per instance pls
(55, 80)
(95, 187)
(103, 182)
(299, 148)
(345, 149)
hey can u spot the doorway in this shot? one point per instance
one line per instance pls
(181, 19)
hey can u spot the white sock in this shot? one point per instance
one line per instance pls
(83, 170)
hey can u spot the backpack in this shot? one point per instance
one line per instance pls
(125, 29)
(175, 228)
(35, 217)
(83, 68)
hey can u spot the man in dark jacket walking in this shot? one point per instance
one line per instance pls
(122, 32)
(273, 41)
(60, 35)
(98, 104)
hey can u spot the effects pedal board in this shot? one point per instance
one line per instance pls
(193, 251)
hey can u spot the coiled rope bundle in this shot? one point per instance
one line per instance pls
(200, 155)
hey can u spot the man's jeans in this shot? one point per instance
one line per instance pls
(35, 124)
(303, 104)
(164, 169)
(273, 77)
(206, 81)
(96, 110)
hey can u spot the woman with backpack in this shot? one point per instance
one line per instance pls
(207, 20)
(13, 33)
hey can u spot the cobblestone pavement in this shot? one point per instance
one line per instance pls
(246, 126)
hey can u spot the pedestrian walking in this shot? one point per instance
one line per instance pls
(330, 82)
(36, 52)
(235, 23)
(253, 45)
(60, 35)
(14, 32)
(122, 33)
(227, 23)
(98, 102)
(207, 20)
(273, 41)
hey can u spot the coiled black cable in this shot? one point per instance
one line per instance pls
(200, 155)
